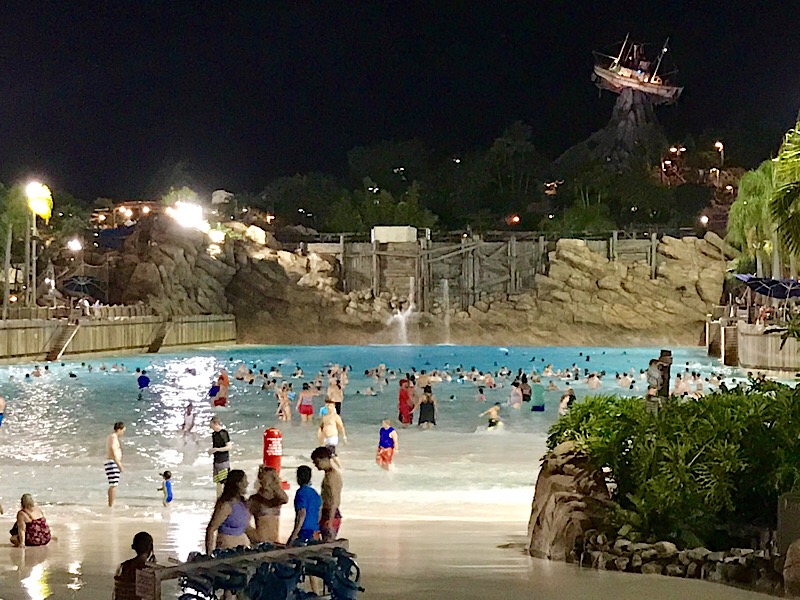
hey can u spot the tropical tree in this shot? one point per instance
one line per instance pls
(14, 217)
(785, 202)
(515, 168)
(184, 194)
(750, 222)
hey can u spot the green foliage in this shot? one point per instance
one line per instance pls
(785, 203)
(585, 216)
(695, 467)
(293, 198)
(371, 206)
(750, 223)
(392, 165)
(184, 194)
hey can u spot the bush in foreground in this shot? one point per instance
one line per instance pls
(697, 469)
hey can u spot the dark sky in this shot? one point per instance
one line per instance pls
(99, 97)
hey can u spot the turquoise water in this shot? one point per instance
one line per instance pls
(52, 440)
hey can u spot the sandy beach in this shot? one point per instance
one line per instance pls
(399, 558)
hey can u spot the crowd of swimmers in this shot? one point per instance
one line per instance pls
(238, 519)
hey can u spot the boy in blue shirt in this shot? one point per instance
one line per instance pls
(166, 487)
(307, 505)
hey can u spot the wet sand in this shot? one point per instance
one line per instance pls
(399, 558)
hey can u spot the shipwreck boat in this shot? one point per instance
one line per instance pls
(631, 68)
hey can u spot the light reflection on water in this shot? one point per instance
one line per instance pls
(35, 584)
(53, 438)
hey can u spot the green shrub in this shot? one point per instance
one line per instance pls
(696, 468)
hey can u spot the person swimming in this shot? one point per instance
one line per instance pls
(493, 413)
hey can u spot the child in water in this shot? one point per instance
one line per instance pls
(493, 412)
(387, 445)
(166, 488)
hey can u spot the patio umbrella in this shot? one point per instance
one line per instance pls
(83, 285)
(772, 288)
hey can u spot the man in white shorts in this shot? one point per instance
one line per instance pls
(331, 426)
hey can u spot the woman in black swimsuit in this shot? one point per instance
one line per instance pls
(427, 408)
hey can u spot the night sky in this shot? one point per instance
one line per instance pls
(99, 98)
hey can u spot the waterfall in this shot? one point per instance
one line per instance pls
(401, 317)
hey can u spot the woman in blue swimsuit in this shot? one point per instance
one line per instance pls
(231, 517)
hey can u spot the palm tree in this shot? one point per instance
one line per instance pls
(785, 203)
(750, 223)
(13, 215)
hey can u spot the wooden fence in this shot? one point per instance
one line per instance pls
(472, 267)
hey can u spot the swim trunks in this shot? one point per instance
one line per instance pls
(306, 409)
(493, 423)
(112, 473)
(220, 402)
(307, 535)
(332, 441)
(329, 527)
(1, 419)
(221, 471)
(384, 457)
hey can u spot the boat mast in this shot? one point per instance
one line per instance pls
(621, 50)
(660, 56)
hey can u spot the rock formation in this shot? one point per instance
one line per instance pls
(285, 297)
(632, 133)
(568, 494)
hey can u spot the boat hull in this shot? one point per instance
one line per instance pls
(614, 82)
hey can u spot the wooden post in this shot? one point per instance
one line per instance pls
(342, 262)
(512, 265)
(424, 279)
(542, 255)
(376, 276)
(612, 252)
(476, 271)
(653, 246)
(466, 283)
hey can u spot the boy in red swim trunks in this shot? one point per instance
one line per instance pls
(330, 519)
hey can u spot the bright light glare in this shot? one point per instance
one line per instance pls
(74, 245)
(101, 218)
(673, 149)
(146, 209)
(40, 200)
(719, 146)
(129, 213)
(189, 215)
(217, 236)
(704, 219)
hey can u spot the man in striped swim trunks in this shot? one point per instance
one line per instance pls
(113, 465)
